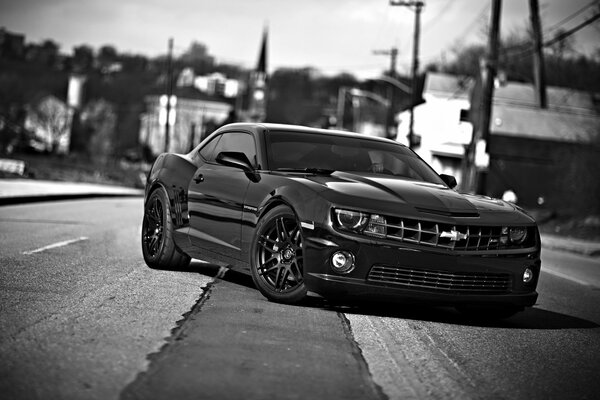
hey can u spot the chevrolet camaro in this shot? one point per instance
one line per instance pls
(337, 215)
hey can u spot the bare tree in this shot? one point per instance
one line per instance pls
(51, 119)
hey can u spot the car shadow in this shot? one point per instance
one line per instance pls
(531, 318)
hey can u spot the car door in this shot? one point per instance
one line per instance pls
(216, 196)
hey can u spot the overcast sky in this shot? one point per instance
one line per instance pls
(331, 35)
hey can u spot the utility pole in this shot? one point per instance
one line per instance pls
(341, 104)
(491, 66)
(418, 6)
(393, 53)
(389, 121)
(169, 92)
(539, 72)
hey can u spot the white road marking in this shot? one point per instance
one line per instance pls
(55, 245)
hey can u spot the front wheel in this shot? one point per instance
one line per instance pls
(158, 247)
(277, 258)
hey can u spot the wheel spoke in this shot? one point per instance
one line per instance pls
(296, 270)
(267, 248)
(276, 280)
(281, 232)
(151, 218)
(268, 240)
(265, 268)
(281, 278)
(153, 243)
(266, 271)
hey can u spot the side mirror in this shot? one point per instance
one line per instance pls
(449, 180)
(235, 159)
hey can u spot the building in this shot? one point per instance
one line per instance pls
(193, 115)
(216, 84)
(548, 157)
(441, 124)
(12, 45)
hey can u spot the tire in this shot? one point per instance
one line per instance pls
(489, 313)
(276, 260)
(158, 247)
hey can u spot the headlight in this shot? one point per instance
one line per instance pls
(517, 235)
(357, 221)
(353, 220)
(377, 226)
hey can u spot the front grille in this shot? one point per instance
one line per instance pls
(453, 237)
(457, 282)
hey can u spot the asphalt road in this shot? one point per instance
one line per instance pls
(82, 317)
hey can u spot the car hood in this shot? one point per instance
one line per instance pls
(404, 195)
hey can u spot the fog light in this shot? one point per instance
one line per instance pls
(527, 275)
(342, 261)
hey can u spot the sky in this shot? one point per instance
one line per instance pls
(331, 35)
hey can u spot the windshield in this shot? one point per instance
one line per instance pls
(320, 151)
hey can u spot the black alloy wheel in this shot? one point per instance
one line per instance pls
(152, 227)
(158, 247)
(277, 257)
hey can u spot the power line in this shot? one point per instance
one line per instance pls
(570, 17)
(523, 48)
(520, 52)
(566, 34)
(449, 3)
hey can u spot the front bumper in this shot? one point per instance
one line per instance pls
(421, 275)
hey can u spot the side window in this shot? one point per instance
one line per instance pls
(208, 151)
(239, 142)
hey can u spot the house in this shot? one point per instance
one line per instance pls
(441, 123)
(193, 115)
(548, 157)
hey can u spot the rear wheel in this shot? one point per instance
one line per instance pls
(277, 257)
(158, 247)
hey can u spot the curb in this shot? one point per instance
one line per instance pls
(15, 200)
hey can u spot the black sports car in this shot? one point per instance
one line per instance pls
(339, 215)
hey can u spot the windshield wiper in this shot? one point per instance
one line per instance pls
(319, 171)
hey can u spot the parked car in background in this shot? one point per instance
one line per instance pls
(339, 215)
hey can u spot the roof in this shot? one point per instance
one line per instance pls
(187, 92)
(448, 86)
(559, 99)
(570, 117)
(536, 123)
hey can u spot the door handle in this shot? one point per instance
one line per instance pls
(199, 178)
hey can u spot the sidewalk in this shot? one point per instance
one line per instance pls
(18, 191)
(584, 247)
